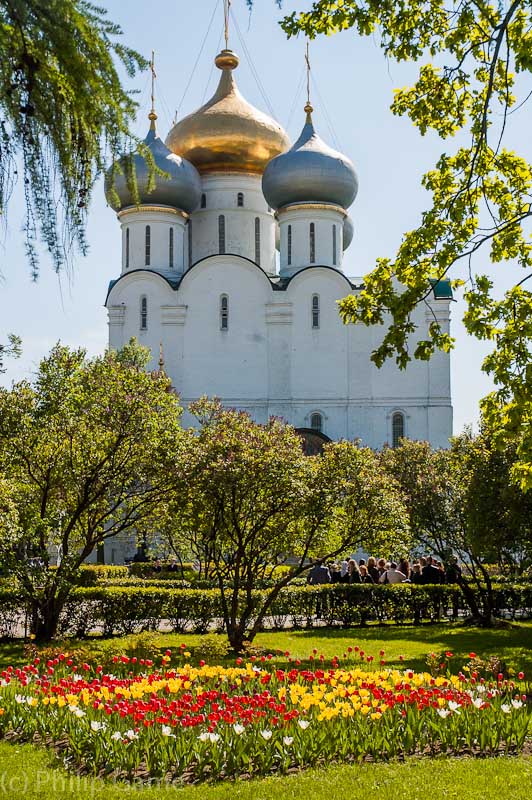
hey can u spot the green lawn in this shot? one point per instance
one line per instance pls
(27, 773)
(513, 645)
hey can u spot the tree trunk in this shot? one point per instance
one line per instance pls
(45, 614)
(483, 617)
(237, 636)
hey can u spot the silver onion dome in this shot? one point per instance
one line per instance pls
(181, 189)
(310, 172)
(349, 231)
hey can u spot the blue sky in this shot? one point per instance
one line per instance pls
(352, 91)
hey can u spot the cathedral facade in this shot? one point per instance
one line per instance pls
(232, 262)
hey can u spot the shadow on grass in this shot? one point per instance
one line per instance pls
(11, 653)
(513, 645)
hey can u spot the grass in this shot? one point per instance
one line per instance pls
(513, 644)
(28, 773)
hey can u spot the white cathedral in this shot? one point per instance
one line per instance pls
(233, 265)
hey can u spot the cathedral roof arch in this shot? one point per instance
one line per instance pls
(332, 270)
(173, 284)
(228, 257)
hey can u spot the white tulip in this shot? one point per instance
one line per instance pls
(117, 736)
(287, 740)
(266, 735)
(443, 712)
(303, 724)
(238, 729)
(517, 704)
(213, 737)
(506, 708)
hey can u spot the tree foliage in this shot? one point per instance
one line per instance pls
(434, 489)
(475, 63)
(12, 348)
(461, 503)
(498, 513)
(246, 498)
(63, 110)
(81, 451)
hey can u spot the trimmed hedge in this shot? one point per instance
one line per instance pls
(132, 609)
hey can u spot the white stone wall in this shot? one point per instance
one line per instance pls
(221, 198)
(160, 221)
(295, 221)
(271, 361)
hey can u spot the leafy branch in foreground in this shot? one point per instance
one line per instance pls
(13, 348)
(481, 192)
(62, 111)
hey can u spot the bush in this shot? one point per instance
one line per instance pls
(131, 606)
(211, 648)
(145, 569)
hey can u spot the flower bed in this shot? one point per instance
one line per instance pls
(198, 722)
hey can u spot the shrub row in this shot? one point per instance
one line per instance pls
(131, 609)
(94, 574)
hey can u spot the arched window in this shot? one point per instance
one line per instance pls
(189, 243)
(224, 312)
(257, 240)
(147, 246)
(334, 244)
(398, 428)
(171, 248)
(221, 234)
(312, 243)
(240, 200)
(144, 313)
(127, 248)
(316, 422)
(315, 311)
(203, 201)
(289, 244)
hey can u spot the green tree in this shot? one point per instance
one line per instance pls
(438, 486)
(63, 110)
(82, 450)
(498, 513)
(13, 348)
(475, 63)
(246, 498)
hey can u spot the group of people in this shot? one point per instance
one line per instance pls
(424, 570)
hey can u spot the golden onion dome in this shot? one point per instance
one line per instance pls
(227, 134)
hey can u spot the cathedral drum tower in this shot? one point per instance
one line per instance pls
(237, 319)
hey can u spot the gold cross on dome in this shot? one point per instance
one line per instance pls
(227, 11)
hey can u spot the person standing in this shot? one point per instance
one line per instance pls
(365, 577)
(404, 567)
(353, 571)
(392, 575)
(372, 569)
(430, 572)
(319, 575)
